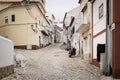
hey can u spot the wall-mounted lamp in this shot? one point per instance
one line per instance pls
(34, 28)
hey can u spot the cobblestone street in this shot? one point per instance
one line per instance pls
(52, 63)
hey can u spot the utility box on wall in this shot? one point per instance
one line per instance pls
(6, 57)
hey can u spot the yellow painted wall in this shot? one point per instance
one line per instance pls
(20, 31)
(4, 5)
(20, 34)
(21, 16)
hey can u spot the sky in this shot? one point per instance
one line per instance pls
(59, 7)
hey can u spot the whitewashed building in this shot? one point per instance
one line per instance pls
(85, 29)
(51, 19)
(6, 57)
(58, 34)
(71, 24)
(63, 36)
(99, 26)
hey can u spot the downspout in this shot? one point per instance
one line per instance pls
(108, 38)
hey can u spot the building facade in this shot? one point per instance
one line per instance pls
(67, 23)
(73, 19)
(105, 31)
(63, 38)
(58, 34)
(85, 29)
(24, 22)
(51, 19)
(99, 26)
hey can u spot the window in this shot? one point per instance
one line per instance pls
(5, 36)
(6, 19)
(101, 11)
(13, 18)
(73, 30)
(85, 15)
(86, 43)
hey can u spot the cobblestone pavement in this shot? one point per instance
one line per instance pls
(52, 63)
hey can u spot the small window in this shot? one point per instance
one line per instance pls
(86, 43)
(13, 18)
(6, 19)
(73, 30)
(6, 36)
(101, 11)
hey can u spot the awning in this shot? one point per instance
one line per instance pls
(83, 28)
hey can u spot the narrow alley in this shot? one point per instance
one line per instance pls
(53, 63)
(59, 40)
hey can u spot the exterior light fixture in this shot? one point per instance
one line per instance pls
(33, 27)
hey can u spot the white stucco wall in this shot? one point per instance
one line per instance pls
(101, 25)
(6, 52)
(98, 25)
(98, 40)
(96, 6)
(76, 24)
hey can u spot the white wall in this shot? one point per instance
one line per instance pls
(98, 40)
(6, 52)
(101, 25)
(98, 25)
(96, 5)
(76, 24)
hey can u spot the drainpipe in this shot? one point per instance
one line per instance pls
(108, 38)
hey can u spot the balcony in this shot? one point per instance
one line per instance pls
(83, 28)
(44, 30)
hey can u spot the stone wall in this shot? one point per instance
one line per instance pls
(6, 71)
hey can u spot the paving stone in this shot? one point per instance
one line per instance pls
(6, 71)
(52, 63)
